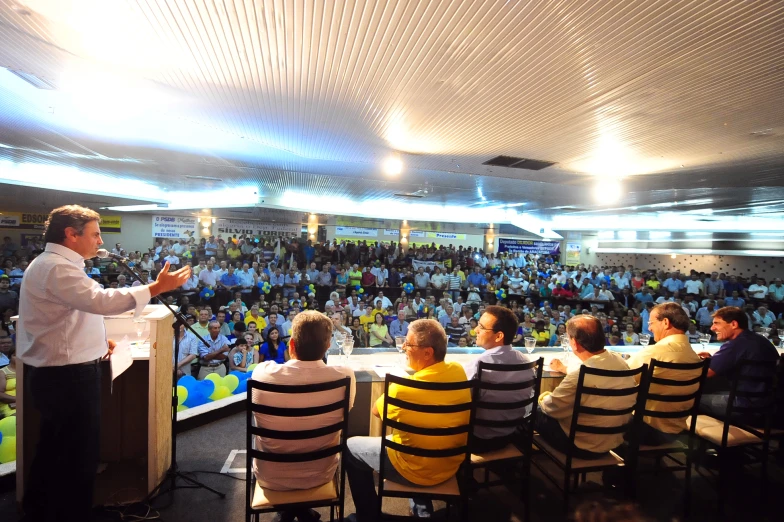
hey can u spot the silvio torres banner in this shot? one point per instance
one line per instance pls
(526, 246)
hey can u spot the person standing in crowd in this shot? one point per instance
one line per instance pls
(62, 339)
(310, 338)
(494, 333)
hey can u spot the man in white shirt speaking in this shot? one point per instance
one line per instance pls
(62, 340)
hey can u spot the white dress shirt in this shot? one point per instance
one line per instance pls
(61, 310)
(298, 475)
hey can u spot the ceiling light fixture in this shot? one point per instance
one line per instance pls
(393, 166)
(607, 191)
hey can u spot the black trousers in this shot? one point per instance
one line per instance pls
(62, 476)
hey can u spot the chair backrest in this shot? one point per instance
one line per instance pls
(752, 398)
(636, 395)
(425, 409)
(489, 395)
(341, 426)
(689, 400)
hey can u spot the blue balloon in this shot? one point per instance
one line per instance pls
(1, 433)
(187, 381)
(195, 398)
(242, 387)
(206, 387)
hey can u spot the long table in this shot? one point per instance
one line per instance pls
(370, 366)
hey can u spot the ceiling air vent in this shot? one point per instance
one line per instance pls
(518, 163)
(412, 195)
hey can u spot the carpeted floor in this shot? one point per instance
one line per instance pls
(204, 451)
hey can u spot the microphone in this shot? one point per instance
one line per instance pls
(103, 254)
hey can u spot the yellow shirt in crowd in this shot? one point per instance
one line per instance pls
(423, 470)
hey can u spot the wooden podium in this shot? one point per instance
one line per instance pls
(135, 414)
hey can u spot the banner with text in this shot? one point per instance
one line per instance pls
(525, 246)
(445, 235)
(356, 232)
(230, 227)
(37, 221)
(174, 227)
(111, 224)
(573, 253)
(391, 231)
(427, 264)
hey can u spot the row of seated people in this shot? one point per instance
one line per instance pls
(425, 348)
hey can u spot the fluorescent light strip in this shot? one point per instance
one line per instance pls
(697, 251)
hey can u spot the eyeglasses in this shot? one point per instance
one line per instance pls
(409, 345)
(480, 326)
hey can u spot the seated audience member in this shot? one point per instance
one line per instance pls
(379, 332)
(273, 325)
(668, 323)
(189, 351)
(252, 330)
(731, 325)
(221, 318)
(629, 337)
(253, 315)
(425, 349)
(358, 333)
(541, 333)
(211, 357)
(494, 333)
(586, 338)
(7, 376)
(273, 349)
(763, 317)
(242, 356)
(455, 331)
(399, 327)
(310, 339)
(693, 335)
(8, 298)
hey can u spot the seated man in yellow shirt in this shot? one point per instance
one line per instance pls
(425, 349)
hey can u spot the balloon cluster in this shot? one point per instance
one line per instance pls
(187, 254)
(207, 293)
(408, 288)
(500, 293)
(311, 289)
(264, 286)
(359, 289)
(192, 393)
(8, 439)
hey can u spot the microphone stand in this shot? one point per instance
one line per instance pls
(173, 473)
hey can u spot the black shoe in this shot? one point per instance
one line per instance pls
(283, 516)
(311, 515)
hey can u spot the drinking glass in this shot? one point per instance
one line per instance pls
(348, 347)
(340, 338)
(140, 325)
(566, 347)
(704, 340)
(765, 332)
(530, 344)
(645, 339)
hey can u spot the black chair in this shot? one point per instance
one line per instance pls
(679, 375)
(451, 490)
(735, 430)
(576, 467)
(261, 500)
(515, 456)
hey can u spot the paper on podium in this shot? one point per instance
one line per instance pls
(121, 358)
(397, 371)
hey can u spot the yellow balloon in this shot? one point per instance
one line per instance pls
(214, 377)
(182, 407)
(231, 382)
(182, 395)
(252, 366)
(221, 392)
(8, 426)
(7, 449)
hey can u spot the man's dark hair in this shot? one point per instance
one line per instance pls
(505, 321)
(675, 313)
(240, 327)
(311, 333)
(240, 341)
(73, 216)
(733, 313)
(587, 331)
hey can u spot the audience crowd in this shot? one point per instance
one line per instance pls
(274, 311)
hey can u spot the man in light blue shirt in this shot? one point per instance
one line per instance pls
(587, 290)
(673, 284)
(645, 316)
(290, 282)
(246, 279)
(763, 317)
(477, 279)
(398, 327)
(495, 330)
(735, 300)
(704, 316)
(644, 295)
(776, 290)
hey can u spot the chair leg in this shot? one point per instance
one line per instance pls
(687, 486)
